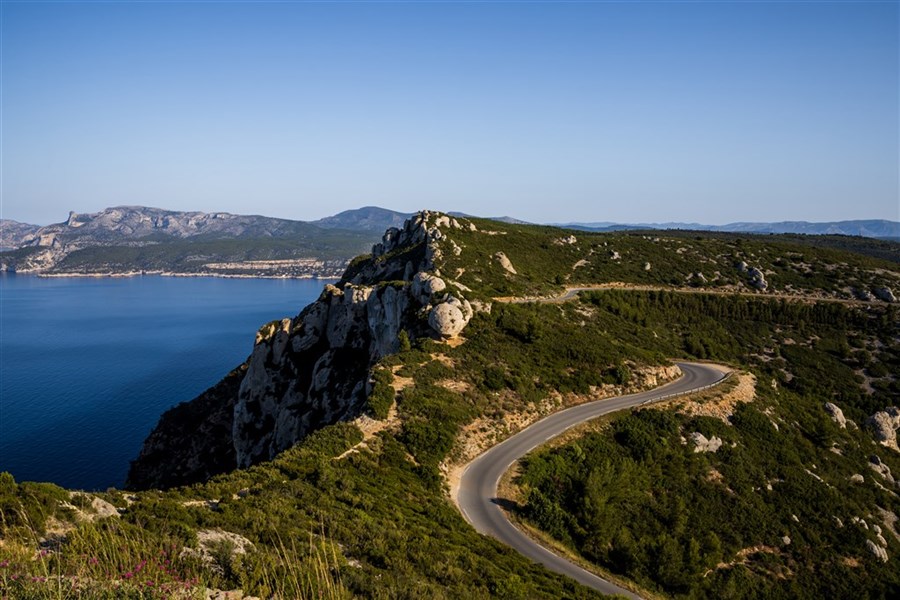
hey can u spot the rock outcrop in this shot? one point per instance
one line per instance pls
(757, 278)
(884, 425)
(884, 293)
(313, 370)
(702, 444)
(876, 464)
(837, 415)
(880, 552)
(505, 262)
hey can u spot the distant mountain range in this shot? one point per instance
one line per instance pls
(135, 239)
(873, 228)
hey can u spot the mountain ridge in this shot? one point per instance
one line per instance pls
(137, 239)
(873, 228)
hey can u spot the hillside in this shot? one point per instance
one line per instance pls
(135, 239)
(323, 466)
(14, 234)
(367, 218)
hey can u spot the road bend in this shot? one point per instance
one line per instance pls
(477, 497)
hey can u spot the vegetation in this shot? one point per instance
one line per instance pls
(771, 513)
(544, 262)
(343, 514)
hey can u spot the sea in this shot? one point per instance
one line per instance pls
(88, 365)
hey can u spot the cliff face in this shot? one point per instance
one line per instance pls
(311, 370)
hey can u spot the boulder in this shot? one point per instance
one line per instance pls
(882, 469)
(757, 278)
(501, 258)
(569, 240)
(863, 295)
(879, 552)
(885, 293)
(424, 286)
(884, 425)
(450, 317)
(701, 444)
(837, 415)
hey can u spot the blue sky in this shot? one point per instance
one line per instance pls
(604, 111)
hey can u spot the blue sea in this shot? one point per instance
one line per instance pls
(87, 365)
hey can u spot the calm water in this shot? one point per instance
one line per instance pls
(87, 366)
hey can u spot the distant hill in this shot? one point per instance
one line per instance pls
(873, 228)
(13, 234)
(367, 218)
(133, 239)
(504, 219)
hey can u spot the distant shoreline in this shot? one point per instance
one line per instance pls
(166, 274)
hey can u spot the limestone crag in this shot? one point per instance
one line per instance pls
(313, 370)
(884, 425)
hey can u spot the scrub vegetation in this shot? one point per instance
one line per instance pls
(351, 514)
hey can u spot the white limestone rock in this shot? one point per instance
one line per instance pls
(566, 241)
(450, 317)
(884, 425)
(879, 552)
(702, 444)
(882, 469)
(505, 263)
(837, 415)
(757, 278)
(425, 286)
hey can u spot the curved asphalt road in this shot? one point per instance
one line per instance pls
(478, 485)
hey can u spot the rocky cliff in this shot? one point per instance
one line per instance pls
(312, 370)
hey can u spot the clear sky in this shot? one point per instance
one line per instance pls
(591, 111)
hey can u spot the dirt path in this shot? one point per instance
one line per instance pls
(571, 292)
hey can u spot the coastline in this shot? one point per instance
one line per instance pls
(172, 274)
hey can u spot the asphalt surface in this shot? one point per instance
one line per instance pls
(477, 497)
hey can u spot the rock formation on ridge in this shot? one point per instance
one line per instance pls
(313, 370)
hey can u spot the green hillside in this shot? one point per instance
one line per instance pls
(362, 508)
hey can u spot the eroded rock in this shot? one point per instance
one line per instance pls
(837, 415)
(505, 263)
(450, 317)
(702, 444)
(878, 551)
(884, 425)
(312, 370)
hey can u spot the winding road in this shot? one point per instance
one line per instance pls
(477, 496)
